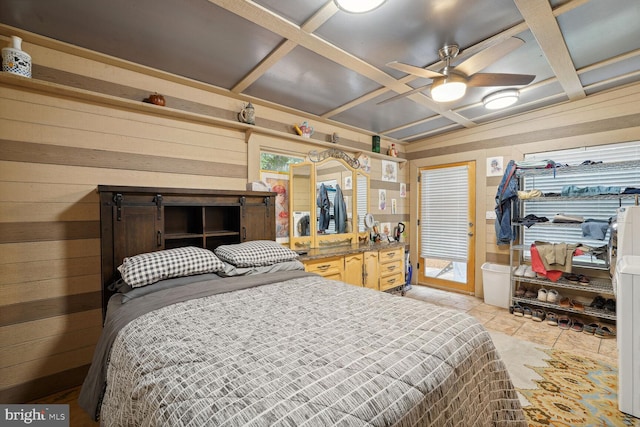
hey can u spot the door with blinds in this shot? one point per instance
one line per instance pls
(446, 226)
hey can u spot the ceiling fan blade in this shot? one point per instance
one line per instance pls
(498, 79)
(416, 71)
(402, 95)
(488, 56)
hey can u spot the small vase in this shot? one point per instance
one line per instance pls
(14, 60)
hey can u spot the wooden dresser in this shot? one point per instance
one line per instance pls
(377, 266)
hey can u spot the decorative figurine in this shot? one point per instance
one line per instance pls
(155, 99)
(304, 130)
(392, 151)
(247, 114)
(15, 60)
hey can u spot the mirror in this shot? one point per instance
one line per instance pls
(300, 201)
(334, 191)
(329, 200)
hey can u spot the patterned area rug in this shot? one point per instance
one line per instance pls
(575, 391)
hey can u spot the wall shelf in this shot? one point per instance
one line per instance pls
(42, 86)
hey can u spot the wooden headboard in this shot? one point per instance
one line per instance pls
(135, 220)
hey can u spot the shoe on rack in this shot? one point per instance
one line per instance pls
(530, 294)
(521, 291)
(552, 319)
(519, 271)
(577, 326)
(598, 302)
(577, 305)
(590, 329)
(572, 278)
(528, 313)
(553, 296)
(542, 294)
(564, 322)
(518, 310)
(610, 305)
(605, 332)
(529, 272)
(538, 315)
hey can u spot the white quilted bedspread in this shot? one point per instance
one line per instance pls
(307, 352)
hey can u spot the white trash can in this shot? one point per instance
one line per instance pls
(496, 284)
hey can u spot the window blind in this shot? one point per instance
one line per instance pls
(620, 167)
(444, 215)
(362, 187)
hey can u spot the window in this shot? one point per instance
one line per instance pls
(620, 167)
(277, 162)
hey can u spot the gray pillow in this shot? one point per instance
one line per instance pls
(256, 253)
(232, 270)
(145, 269)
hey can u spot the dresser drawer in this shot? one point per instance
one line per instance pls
(391, 281)
(331, 268)
(391, 255)
(390, 268)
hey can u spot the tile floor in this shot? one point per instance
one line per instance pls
(499, 319)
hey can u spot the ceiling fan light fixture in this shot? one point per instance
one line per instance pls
(501, 99)
(448, 88)
(358, 6)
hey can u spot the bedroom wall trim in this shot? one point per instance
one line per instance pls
(49, 384)
(41, 309)
(15, 232)
(19, 151)
(572, 130)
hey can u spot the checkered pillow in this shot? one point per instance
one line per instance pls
(145, 269)
(255, 254)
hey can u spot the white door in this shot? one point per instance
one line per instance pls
(447, 229)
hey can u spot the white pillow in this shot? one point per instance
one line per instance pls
(255, 253)
(148, 268)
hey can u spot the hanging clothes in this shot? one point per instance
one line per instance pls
(340, 211)
(506, 194)
(323, 203)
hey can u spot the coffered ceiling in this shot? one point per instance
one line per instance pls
(309, 56)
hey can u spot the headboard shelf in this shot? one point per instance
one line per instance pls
(136, 220)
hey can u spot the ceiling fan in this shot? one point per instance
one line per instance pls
(450, 83)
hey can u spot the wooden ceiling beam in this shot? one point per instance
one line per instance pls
(540, 18)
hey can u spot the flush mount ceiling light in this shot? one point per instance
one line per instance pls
(358, 6)
(501, 99)
(449, 88)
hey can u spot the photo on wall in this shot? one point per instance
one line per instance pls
(495, 166)
(278, 182)
(389, 171)
(382, 199)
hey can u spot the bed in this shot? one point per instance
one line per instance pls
(273, 345)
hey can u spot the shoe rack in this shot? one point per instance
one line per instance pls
(572, 294)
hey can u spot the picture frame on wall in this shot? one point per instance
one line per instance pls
(278, 182)
(495, 166)
(382, 199)
(389, 171)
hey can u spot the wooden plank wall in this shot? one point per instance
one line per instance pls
(55, 150)
(606, 118)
